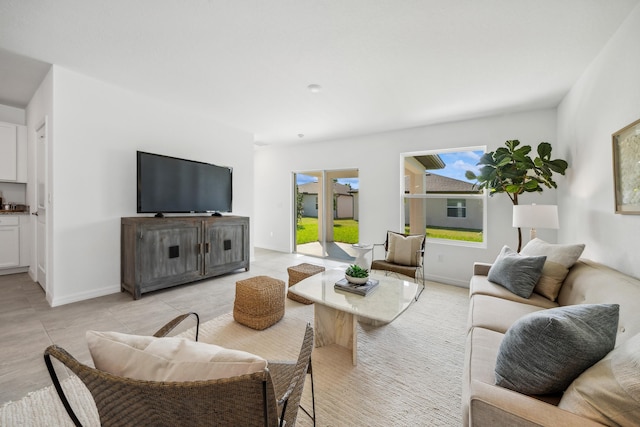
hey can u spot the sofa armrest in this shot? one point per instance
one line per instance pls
(491, 405)
(481, 268)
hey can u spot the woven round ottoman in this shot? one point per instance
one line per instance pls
(299, 272)
(259, 302)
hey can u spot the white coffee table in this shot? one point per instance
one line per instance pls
(336, 313)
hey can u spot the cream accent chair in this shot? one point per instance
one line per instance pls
(404, 254)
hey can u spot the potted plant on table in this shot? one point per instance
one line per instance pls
(511, 170)
(356, 274)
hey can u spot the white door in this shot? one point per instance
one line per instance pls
(41, 212)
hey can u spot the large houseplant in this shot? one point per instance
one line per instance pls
(511, 170)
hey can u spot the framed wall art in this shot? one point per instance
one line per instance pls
(626, 169)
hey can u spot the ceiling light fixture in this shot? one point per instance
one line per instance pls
(301, 135)
(314, 88)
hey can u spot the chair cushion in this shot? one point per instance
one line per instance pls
(516, 272)
(404, 249)
(609, 391)
(405, 270)
(545, 351)
(167, 359)
(560, 258)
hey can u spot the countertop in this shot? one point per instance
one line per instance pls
(13, 212)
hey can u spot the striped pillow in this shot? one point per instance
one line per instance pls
(404, 249)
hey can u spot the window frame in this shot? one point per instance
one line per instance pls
(406, 196)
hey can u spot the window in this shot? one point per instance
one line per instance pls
(456, 208)
(437, 198)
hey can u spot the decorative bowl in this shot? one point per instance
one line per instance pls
(356, 280)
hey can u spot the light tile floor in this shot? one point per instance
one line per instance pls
(28, 324)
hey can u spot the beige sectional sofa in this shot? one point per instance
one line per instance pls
(494, 309)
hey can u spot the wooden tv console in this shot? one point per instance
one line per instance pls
(158, 253)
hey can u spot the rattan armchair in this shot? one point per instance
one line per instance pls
(415, 271)
(266, 398)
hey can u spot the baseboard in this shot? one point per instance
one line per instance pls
(14, 270)
(81, 296)
(447, 280)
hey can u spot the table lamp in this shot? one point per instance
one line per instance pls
(535, 216)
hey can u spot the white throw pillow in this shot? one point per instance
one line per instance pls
(609, 391)
(560, 258)
(167, 359)
(404, 249)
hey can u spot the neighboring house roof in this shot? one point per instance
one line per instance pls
(431, 161)
(442, 184)
(314, 188)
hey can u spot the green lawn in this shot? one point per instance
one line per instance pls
(465, 235)
(344, 230)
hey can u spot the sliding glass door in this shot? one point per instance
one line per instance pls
(326, 213)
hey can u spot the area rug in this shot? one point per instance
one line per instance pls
(409, 372)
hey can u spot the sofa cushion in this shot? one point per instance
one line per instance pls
(516, 272)
(544, 352)
(404, 249)
(480, 285)
(167, 359)
(480, 358)
(483, 309)
(609, 391)
(560, 258)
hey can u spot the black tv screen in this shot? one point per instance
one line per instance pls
(171, 185)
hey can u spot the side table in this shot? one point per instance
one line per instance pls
(361, 252)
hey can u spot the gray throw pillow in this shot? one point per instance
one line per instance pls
(516, 272)
(543, 352)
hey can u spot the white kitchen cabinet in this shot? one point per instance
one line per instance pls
(9, 241)
(14, 243)
(13, 152)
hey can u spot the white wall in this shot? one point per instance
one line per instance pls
(377, 157)
(12, 115)
(97, 129)
(605, 99)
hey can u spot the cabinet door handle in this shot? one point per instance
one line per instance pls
(207, 247)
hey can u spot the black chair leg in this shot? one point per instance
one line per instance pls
(313, 397)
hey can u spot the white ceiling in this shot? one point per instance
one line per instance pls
(382, 64)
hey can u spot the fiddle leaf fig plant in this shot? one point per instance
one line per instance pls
(511, 170)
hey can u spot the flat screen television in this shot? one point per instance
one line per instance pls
(171, 185)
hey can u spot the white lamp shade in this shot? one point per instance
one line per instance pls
(535, 216)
